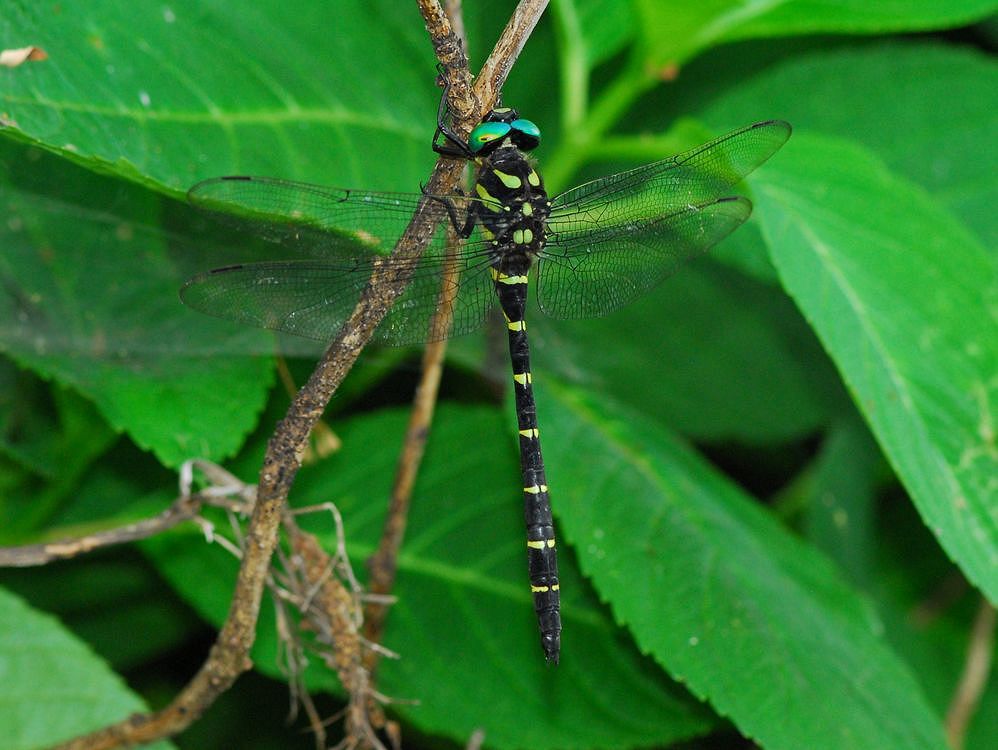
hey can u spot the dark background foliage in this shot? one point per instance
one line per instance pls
(774, 477)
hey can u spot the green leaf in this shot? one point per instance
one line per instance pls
(733, 606)
(675, 30)
(102, 598)
(886, 97)
(55, 435)
(105, 595)
(88, 295)
(710, 352)
(463, 598)
(171, 94)
(841, 503)
(904, 300)
(53, 686)
(40, 429)
(604, 27)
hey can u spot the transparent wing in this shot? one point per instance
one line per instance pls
(620, 266)
(664, 187)
(320, 221)
(345, 231)
(631, 230)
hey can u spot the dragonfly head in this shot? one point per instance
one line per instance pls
(500, 124)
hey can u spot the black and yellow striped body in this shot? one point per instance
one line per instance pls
(512, 214)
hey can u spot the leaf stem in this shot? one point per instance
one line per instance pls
(577, 142)
(573, 66)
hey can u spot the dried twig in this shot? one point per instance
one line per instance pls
(323, 442)
(476, 740)
(182, 509)
(383, 565)
(186, 507)
(322, 589)
(449, 49)
(974, 679)
(456, 15)
(331, 605)
(229, 657)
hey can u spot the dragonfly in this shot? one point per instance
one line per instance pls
(588, 251)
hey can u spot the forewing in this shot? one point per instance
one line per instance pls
(591, 272)
(662, 188)
(612, 239)
(321, 222)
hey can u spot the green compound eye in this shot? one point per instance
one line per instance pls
(527, 128)
(486, 133)
(525, 134)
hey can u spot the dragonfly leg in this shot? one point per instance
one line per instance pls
(453, 146)
(463, 229)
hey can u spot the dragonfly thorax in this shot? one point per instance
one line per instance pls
(514, 206)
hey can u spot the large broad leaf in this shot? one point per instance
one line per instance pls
(464, 623)
(927, 610)
(711, 352)
(675, 30)
(904, 300)
(88, 296)
(102, 598)
(603, 26)
(884, 97)
(52, 686)
(842, 498)
(724, 598)
(176, 93)
(53, 435)
(170, 95)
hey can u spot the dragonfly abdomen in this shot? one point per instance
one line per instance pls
(510, 276)
(513, 213)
